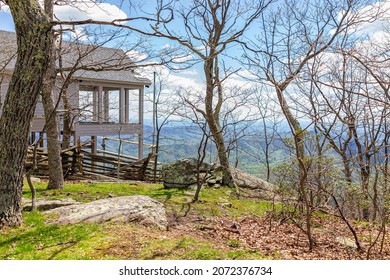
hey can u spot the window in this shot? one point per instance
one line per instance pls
(113, 104)
(88, 103)
(133, 108)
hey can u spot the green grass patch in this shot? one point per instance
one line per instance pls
(223, 201)
(233, 243)
(37, 240)
(85, 192)
(211, 202)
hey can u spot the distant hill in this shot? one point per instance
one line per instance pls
(181, 141)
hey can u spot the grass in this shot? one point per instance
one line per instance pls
(177, 200)
(36, 239)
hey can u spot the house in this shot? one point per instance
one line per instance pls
(104, 95)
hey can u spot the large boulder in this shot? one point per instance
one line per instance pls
(138, 208)
(246, 181)
(182, 173)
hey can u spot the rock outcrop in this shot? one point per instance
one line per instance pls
(182, 174)
(47, 204)
(138, 208)
(246, 181)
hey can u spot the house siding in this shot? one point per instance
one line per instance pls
(129, 119)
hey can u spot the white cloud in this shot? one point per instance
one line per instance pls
(89, 9)
(184, 82)
(190, 72)
(166, 46)
(374, 18)
(83, 10)
(185, 58)
(136, 56)
(175, 81)
(4, 8)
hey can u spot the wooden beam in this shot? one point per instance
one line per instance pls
(127, 141)
(127, 106)
(122, 105)
(105, 105)
(141, 122)
(100, 104)
(94, 105)
(93, 149)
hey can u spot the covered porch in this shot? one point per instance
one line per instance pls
(110, 110)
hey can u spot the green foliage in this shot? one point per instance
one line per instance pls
(286, 175)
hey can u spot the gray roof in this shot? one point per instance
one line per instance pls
(89, 62)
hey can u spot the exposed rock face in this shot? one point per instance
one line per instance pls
(182, 173)
(247, 181)
(346, 242)
(47, 204)
(138, 208)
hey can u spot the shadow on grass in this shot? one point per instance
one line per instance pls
(167, 194)
(36, 240)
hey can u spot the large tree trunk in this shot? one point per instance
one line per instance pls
(56, 177)
(34, 43)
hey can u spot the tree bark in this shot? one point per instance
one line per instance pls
(56, 177)
(67, 122)
(34, 43)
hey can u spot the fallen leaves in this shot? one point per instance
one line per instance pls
(285, 241)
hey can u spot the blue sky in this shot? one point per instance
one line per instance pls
(109, 10)
(6, 22)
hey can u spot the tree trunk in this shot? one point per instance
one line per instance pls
(212, 119)
(56, 177)
(67, 122)
(67, 117)
(297, 133)
(34, 43)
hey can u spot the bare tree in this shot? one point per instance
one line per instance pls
(210, 26)
(237, 117)
(349, 110)
(292, 36)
